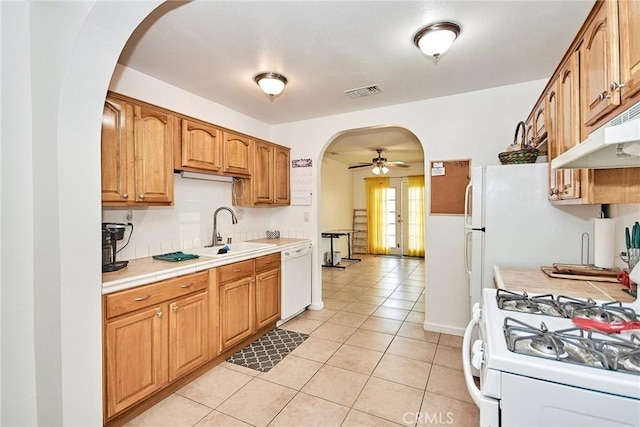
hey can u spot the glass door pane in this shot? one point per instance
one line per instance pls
(393, 219)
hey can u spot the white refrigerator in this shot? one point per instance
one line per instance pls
(509, 221)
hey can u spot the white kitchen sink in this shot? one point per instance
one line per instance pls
(234, 249)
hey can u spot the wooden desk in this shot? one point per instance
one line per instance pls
(336, 234)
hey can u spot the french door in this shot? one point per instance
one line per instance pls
(395, 219)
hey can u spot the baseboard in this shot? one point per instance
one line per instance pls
(443, 329)
(316, 306)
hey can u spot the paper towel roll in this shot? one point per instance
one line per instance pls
(604, 242)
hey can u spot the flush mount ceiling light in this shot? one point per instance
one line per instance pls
(271, 83)
(436, 39)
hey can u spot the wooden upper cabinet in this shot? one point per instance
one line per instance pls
(599, 64)
(263, 176)
(270, 180)
(629, 29)
(201, 147)
(539, 120)
(569, 125)
(153, 151)
(281, 176)
(116, 151)
(529, 134)
(137, 154)
(551, 104)
(236, 154)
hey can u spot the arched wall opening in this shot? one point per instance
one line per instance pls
(340, 210)
(90, 60)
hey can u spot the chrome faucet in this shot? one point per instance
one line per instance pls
(216, 238)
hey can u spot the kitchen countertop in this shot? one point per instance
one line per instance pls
(535, 281)
(142, 271)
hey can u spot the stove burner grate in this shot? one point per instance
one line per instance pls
(573, 345)
(563, 306)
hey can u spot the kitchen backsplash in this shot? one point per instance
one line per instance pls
(625, 215)
(189, 223)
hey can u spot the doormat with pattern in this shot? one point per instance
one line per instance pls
(264, 353)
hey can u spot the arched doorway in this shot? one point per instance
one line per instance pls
(342, 179)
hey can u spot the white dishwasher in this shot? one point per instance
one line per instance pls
(295, 292)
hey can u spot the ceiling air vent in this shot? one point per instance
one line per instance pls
(363, 91)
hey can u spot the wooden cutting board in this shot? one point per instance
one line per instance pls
(552, 272)
(585, 270)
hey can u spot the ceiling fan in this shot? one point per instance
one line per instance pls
(381, 165)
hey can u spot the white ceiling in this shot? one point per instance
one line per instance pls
(214, 48)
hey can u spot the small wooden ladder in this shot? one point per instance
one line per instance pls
(359, 240)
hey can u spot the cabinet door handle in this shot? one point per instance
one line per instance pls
(142, 196)
(237, 270)
(616, 85)
(142, 298)
(187, 286)
(125, 196)
(174, 308)
(159, 314)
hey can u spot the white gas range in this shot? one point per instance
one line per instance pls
(538, 369)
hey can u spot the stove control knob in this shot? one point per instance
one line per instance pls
(477, 360)
(476, 312)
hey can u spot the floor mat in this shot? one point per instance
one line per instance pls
(266, 352)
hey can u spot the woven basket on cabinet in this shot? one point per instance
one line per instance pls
(527, 154)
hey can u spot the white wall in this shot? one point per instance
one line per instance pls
(336, 203)
(127, 81)
(57, 60)
(476, 125)
(17, 355)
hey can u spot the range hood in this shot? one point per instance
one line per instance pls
(615, 145)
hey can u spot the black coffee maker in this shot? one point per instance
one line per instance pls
(111, 233)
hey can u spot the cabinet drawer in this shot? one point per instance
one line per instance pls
(235, 271)
(144, 296)
(268, 262)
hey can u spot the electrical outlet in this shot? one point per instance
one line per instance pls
(129, 215)
(306, 217)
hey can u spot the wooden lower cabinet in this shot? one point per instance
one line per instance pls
(267, 298)
(156, 336)
(153, 335)
(135, 358)
(236, 311)
(249, 303)
(188, 334)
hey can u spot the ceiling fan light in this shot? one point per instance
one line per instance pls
(436, 39)
(376, 170)
(271, 83)
(385, 170)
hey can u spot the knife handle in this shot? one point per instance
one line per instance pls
(627, 238)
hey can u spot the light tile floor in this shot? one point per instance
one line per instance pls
(367, 362)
